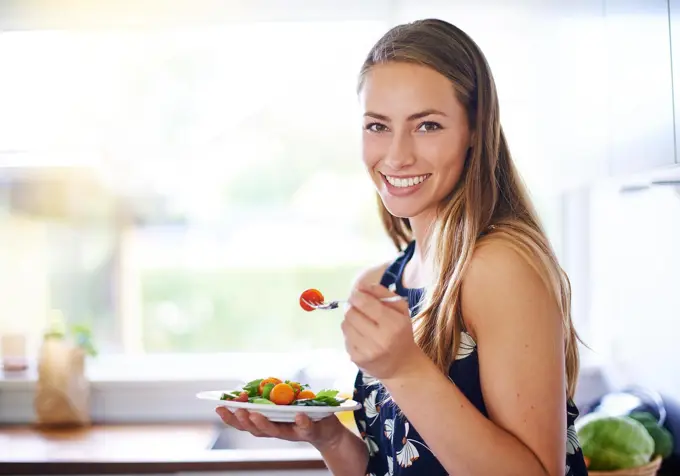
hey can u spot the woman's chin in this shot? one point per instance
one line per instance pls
(402, 210)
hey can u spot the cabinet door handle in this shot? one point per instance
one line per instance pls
(666, 183)
(633, 188)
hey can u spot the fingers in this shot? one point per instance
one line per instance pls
(379, 292)
(368, 305)
(228, 418)
(367, 300)
(243, 417)
(301, 430)
(354, 338)
(360, 323)
(241, 420)
(268, 428)
(258, 425)
(400, 306)
(303, 422)
(304, 427)
(356, 344)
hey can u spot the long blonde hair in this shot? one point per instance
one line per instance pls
(489, 201)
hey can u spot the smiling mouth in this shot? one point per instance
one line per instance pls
(405, 182)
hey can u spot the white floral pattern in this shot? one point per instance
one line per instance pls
(466, 347)
(572, 440)
(390, 466)
(370, 407)
(389, 429)
(372, 446)
(408, 453)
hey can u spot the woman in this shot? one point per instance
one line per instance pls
(476, 374)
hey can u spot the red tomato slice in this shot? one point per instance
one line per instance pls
(312, 296)
(243, 397)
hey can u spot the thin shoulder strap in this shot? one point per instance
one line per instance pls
(392, 275)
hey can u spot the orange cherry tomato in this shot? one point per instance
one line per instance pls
(305, 394)
(264, 382)
(282, 394)
(312, 296)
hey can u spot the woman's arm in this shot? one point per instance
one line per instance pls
(348, 456)
(518, 329)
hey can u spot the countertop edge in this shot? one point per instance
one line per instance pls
(106, 467)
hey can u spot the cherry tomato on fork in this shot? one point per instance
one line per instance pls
(312, 296)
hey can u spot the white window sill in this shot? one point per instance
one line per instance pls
(151, 388)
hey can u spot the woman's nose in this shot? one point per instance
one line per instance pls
(400, 152)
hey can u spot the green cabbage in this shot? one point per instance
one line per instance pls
(613, 443)
(663, 440)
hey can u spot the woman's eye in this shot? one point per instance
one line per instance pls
(375, 127)
(429, 127)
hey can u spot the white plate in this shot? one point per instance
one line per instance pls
(279, 413)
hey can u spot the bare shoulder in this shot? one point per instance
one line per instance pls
(501, 275)
(371, 275)
(499, 259)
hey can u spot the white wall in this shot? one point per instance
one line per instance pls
(635, 285)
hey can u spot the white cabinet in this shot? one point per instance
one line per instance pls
(641, 134)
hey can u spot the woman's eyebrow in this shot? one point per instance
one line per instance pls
(412, 117)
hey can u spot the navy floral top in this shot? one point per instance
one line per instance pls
(394, 445)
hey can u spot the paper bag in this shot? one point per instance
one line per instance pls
(62, 396)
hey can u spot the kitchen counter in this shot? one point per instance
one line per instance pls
(146, 448)
(152, 448)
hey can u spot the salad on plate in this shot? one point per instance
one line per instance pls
(280, 400)
(273, 391)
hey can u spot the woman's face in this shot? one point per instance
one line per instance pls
(415, 136)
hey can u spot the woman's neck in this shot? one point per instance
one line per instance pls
(421, 227)
(418, 268)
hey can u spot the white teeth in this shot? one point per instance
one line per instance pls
(405, 182)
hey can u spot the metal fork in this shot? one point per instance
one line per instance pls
(335, 304)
